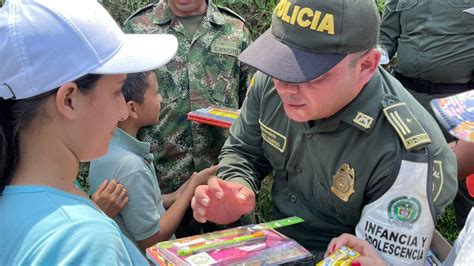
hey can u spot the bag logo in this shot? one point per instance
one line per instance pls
(404, 211)
(343, 182)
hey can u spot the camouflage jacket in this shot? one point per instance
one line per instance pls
(204, 72)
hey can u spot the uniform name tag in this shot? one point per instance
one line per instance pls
(228, 48)
(277, 140)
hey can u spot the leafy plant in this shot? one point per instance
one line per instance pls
(258, 20)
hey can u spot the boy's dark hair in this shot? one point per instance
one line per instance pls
(135, 86)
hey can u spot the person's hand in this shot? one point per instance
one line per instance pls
(222, 202)
(368, 255)
(111, 197)
(181, 189)
(202, 177)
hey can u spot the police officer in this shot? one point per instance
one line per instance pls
(434, 42)
(204, 72)
(454, 114)
(351, 149)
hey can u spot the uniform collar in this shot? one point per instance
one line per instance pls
(163, 14)
(361, 113)
(124, 140)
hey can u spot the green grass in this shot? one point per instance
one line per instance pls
(82, 177)
(447, 225)
(263, 210)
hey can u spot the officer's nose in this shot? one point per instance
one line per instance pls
(288, 88)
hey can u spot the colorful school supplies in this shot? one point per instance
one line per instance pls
(279, 223)
(456, 113)
(224, 244)
(341, 257)
(220, 117)
(249, 245)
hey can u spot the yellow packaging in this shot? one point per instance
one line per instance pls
(341, 257)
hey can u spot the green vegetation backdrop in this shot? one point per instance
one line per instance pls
(257, 14)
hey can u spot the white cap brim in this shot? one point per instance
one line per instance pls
(469, 10)
(140, 52)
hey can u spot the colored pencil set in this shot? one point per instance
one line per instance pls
(250, 245)
(220, 117)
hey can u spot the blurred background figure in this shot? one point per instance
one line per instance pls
(434, 43)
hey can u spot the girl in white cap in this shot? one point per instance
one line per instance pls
(63, 66)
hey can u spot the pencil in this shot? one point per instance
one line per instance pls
(229, 243)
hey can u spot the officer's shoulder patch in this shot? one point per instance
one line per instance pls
(251, 83)
(139, 11)
(230, 12)
(438, 178)
(410, 131)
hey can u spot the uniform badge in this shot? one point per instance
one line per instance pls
(252, 81)
(363, 120)
(343, 182)
(438, 178)
(404, 211)
(412, 134)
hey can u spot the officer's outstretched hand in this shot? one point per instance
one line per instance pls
(368, 255)
(222, 202)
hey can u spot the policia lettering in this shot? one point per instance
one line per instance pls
(305, 17)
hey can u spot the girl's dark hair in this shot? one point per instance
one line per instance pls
(16, 116)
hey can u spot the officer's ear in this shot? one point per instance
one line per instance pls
(366, 65)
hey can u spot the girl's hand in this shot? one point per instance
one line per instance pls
(368, 255)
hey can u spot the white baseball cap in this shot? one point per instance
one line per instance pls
(46, 43)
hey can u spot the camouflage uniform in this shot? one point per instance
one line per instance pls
(204, 72)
